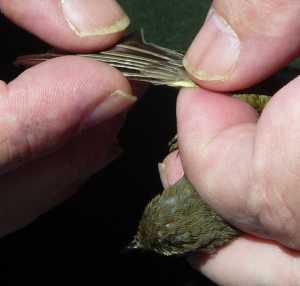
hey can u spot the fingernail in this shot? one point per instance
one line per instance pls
(94, 17)
(116, 103)
(215, 51)
(162, 170)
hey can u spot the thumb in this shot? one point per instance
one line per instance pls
(48, 104)
(72, 25)
(244, 42)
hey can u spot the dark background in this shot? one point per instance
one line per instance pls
(81, 240)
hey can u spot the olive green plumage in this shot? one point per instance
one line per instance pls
(257, 101)
(178, 222)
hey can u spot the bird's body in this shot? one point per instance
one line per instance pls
(178, 222)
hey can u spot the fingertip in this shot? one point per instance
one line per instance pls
(214, 132)
(236, 48)
(250, 261)
(92, 91)
(215, 51)
(52, 102)
(203, 113)
(163, 175)
(83, 17)
(170, 169)
(73, 25)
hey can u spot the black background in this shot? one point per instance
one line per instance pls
(81, 240)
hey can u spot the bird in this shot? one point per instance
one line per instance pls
(177, 221)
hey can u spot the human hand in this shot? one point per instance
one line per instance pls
(59, 120)
(244, 167)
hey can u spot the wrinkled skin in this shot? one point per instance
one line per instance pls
(178, 221)
(256, 161)
(58, 123)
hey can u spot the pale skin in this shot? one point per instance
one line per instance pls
(247, 168)
(59, 120)
(48, 147)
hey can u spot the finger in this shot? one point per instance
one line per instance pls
(215, 137)
(52, 102)
(248, 172)
(249, 261)
(246, 260)
(35, 188)
(73, 25)
(243, 42)
(170, 170)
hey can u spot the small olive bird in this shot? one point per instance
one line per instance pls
(177, 221)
